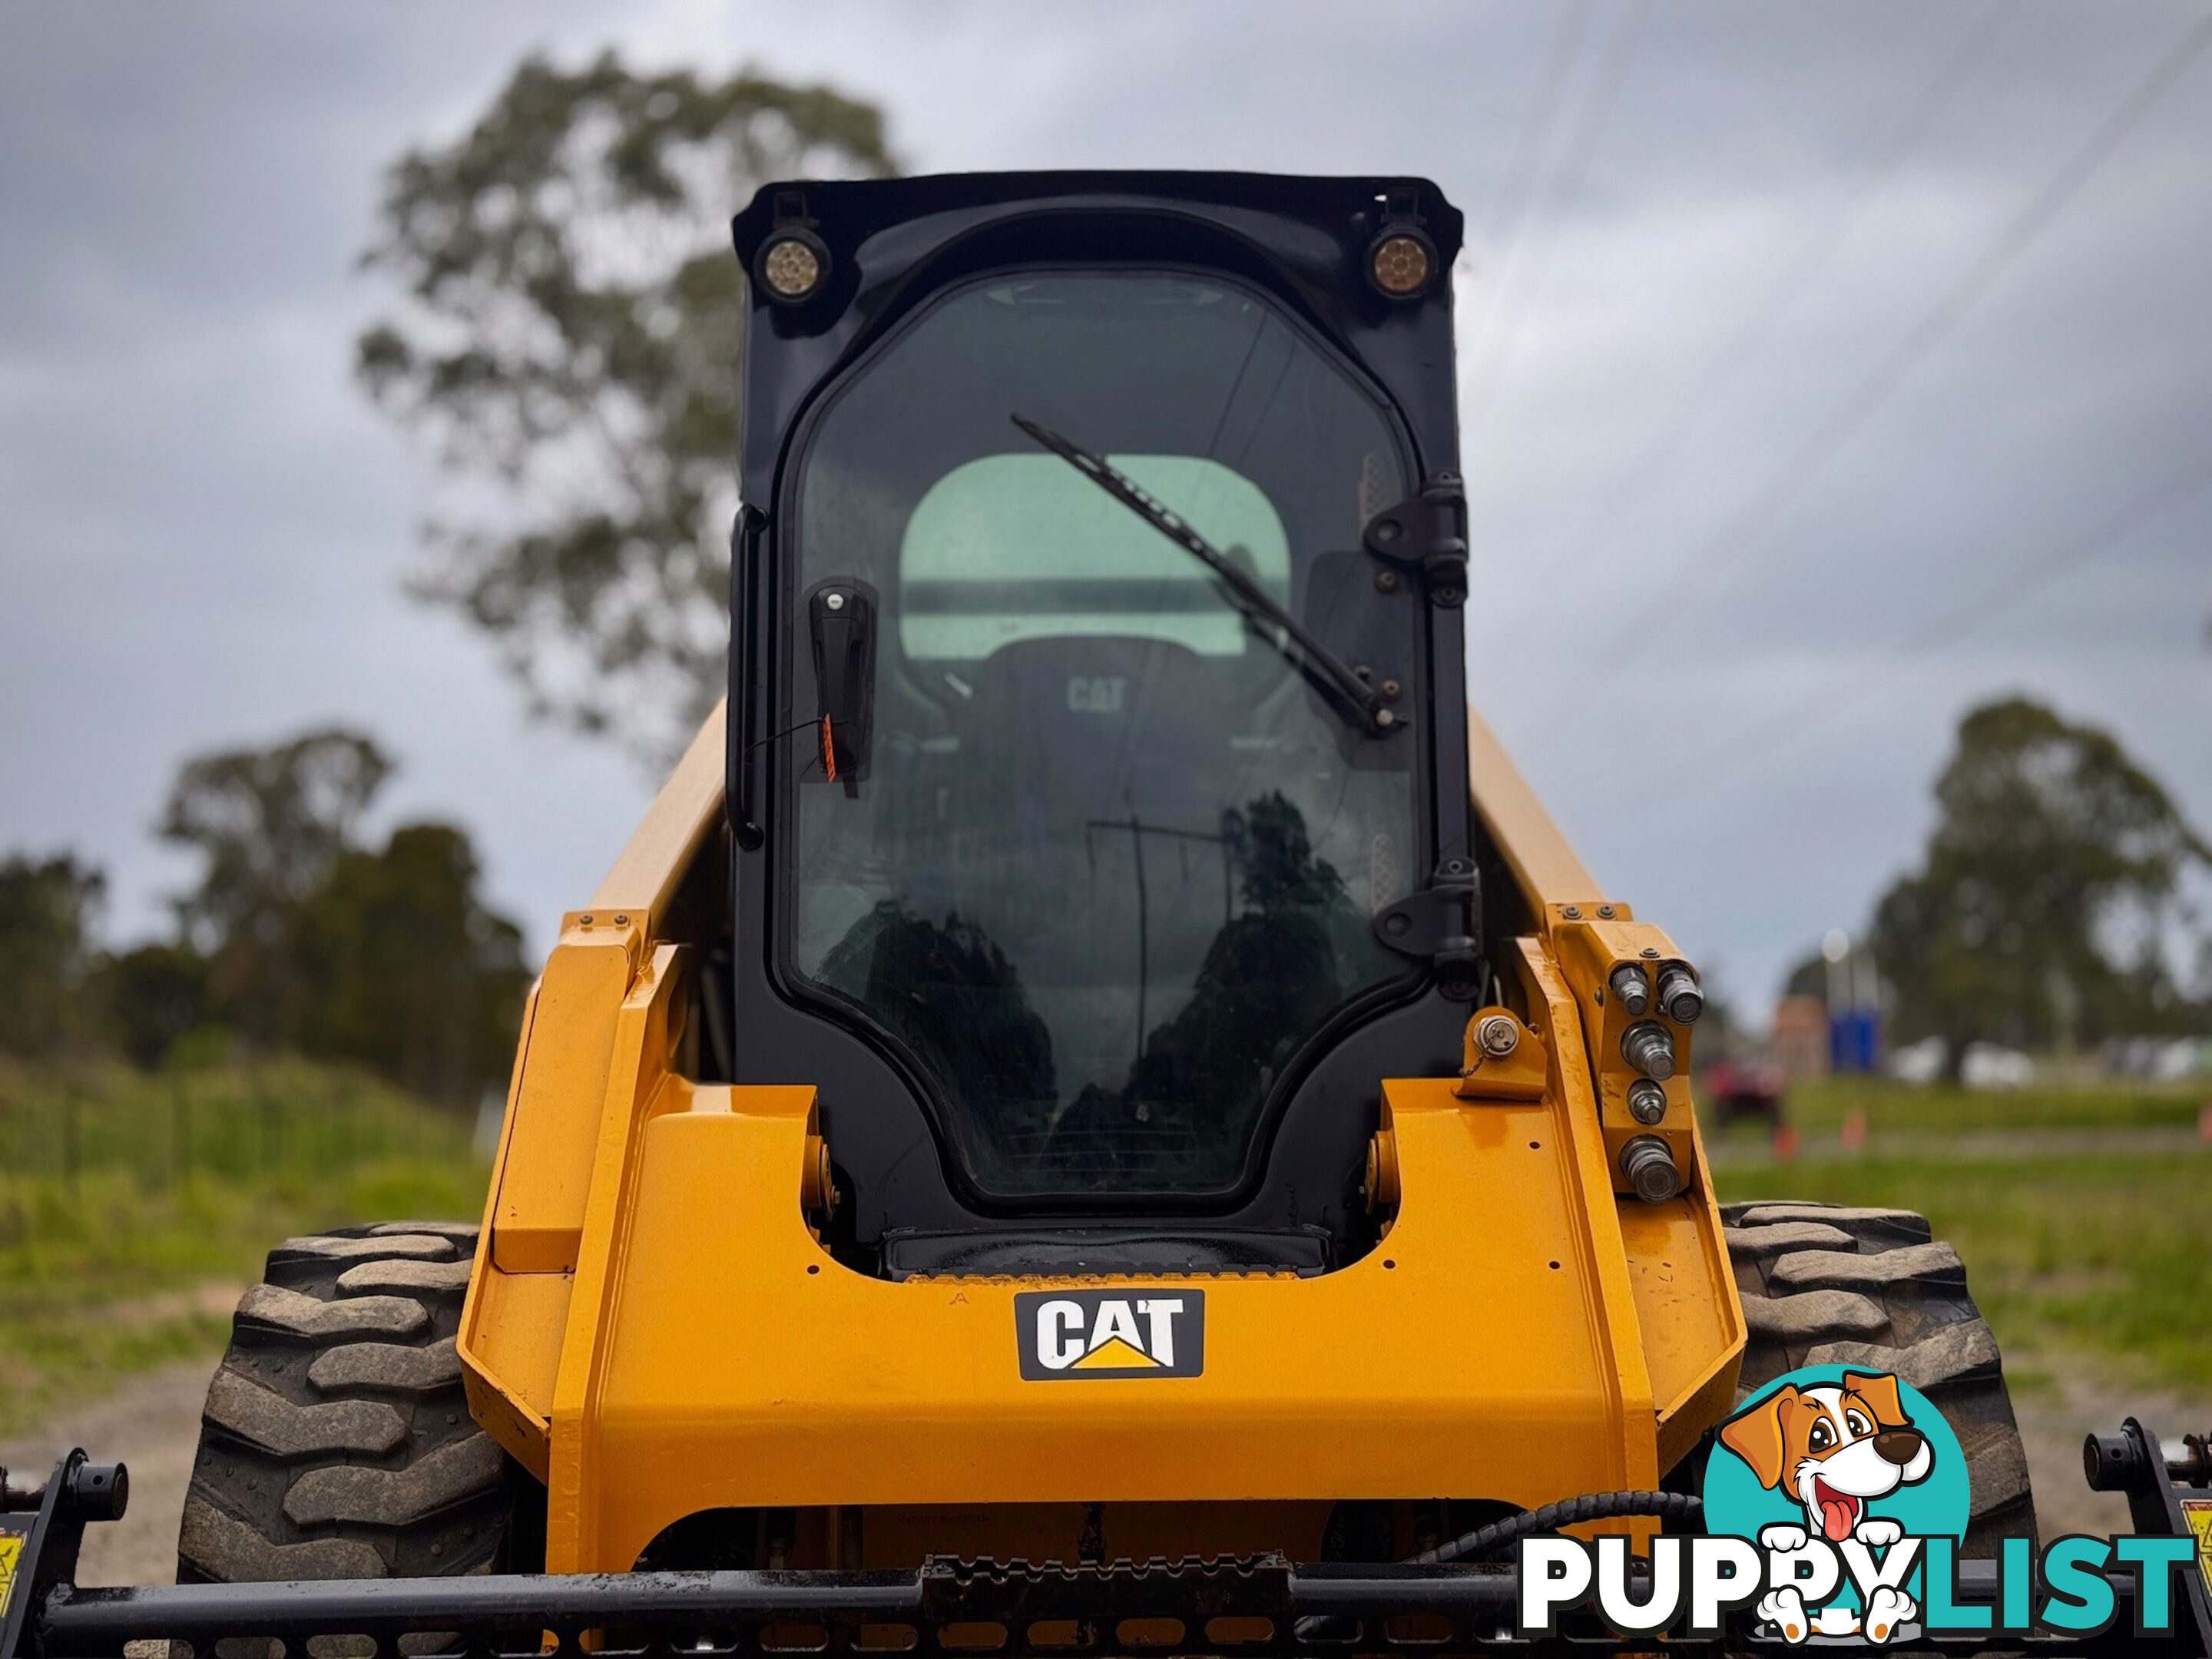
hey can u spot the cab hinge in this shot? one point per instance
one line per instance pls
(1427, 532)
(1438, 923)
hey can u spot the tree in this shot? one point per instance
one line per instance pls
(405, 970)
(2047, 897)
(571, 347)
(152, 996)
(270, 824)
(302, 939)
(47, 910)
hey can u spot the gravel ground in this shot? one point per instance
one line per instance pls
(152, 1423)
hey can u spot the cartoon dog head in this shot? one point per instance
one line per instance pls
(1833, 1447)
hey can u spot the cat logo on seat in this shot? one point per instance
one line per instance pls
(1153, 1331)
(1098, 694)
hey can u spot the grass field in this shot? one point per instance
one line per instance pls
(131, 1207)
(2084, 1216)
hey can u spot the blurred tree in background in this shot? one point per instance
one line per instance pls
(571, 349)
(270, 824)
(401, 967)
(297, 938)
(2044, 909)
(46, 910)
(151, 997)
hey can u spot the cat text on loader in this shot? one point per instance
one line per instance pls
(1096, 1057)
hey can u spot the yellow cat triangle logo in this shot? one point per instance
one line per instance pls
(1113, 1355)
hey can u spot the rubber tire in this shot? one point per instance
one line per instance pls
(1827, 1286)
(336, 1442)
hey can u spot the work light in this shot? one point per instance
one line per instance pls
(1401, 263)
(791, 266)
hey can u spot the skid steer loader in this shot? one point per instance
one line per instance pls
(1097, 1100)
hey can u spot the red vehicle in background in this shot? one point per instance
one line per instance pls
(1733, 1088)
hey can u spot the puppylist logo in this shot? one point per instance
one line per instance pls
(1835, 1503)
(1848, 1481)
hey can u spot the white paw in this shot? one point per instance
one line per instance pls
(1877, 1534)
(1784, 1608)
(1782, 1538)
(1886, 1609)
(1836, 1620)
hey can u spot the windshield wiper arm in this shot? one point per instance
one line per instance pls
(1339, 683)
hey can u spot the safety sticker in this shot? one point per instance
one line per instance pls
(11, 1551)
(2197, 1513)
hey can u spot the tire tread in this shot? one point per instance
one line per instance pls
(336, 1441)
(1894, 1300)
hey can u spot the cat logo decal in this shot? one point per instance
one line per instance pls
(1066, 1335)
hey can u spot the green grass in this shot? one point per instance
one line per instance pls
(1820, 1108)
(2104, 1251)
(124, 1197)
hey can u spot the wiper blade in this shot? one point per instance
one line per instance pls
(1341, 687)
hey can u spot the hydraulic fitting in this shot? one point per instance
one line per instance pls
(1650, 1169)
(1680, 998)
(1650, 1047)
(1647, 1101)
(1630, 989)
(1498, 1035)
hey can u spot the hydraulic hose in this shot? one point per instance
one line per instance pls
(1672, 1509)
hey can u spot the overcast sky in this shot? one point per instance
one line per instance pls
(1826, 369)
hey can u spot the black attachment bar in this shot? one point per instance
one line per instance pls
(1254, 1605)
(1260, 1605)
(949, 1606)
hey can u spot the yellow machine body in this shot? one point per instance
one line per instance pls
(654, 1328)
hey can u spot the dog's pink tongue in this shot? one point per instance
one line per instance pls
(1836, 1519)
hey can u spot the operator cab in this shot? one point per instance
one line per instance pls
(1098, 746)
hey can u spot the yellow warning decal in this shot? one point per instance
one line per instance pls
(2197, 1512)
(11, 1551)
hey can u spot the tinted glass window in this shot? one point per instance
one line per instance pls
(1110, 861)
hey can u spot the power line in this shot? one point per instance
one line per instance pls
(1529, 146)
(1720, 555)
(1490, 367)
(2016, 585)
(1703, 396)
